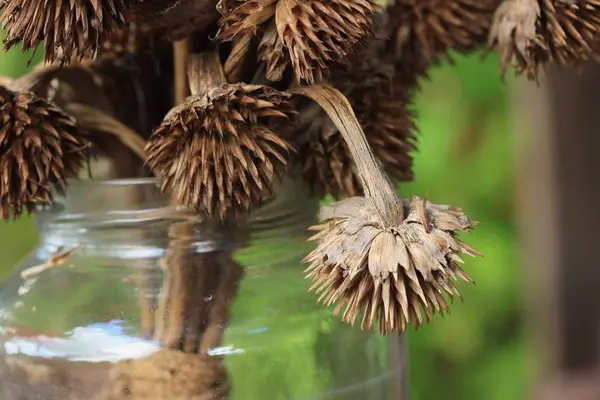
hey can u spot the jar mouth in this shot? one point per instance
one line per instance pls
(74, 182)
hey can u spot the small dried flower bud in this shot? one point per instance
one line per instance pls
(217, 151)
(395, 276)
(438, 26)
(68, 29)
(533, 33)
(40, 146)
(320, 33)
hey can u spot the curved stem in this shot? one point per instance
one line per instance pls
(205, 71)
(376, 184)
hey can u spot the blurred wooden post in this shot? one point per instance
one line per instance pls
(398, 350)
(560, 229)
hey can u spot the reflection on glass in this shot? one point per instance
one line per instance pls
(153, 302)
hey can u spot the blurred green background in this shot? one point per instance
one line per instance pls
(465, 158)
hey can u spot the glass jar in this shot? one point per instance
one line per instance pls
(128, 297)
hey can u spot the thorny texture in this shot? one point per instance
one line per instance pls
(438, 26)
(532, 34)
(69, 28)
(381, 99)
(217, 151)
(319, 33)
(395, 276)
(272, 51)
(315, 34)
(40, 146)
(245, 17)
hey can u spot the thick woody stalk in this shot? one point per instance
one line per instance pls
(376, 184)
(205, 72)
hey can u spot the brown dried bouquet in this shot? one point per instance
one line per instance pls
(252, 90)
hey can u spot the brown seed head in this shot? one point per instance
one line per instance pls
(40, 146)
(320, 33)
(438, 26)
(217, 151)
(243, 18)
(533, 33)
(68, 29)
(394, 276)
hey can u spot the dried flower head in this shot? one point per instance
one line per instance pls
(533, 33)
(320, 33)
(217, 151)
(438, 26)
(381, 99)
(396, 274)
(68, 29)
(244, 17)
(40, 146)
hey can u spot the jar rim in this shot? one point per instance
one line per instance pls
(114, 182)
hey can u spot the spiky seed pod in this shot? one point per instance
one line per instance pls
(320, 33)
(533, 33)
(438, 26)
(217, 151)
(40, 146)
(243, 18)
(395, 276)
(272, 51)
(68, 29)
(381, 99)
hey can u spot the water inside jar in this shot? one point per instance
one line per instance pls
(99, 326)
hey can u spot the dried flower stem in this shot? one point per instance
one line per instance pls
(169, 318)
(377, 186)
(58, 258)
(231, 275)
(205, 72)
(181, 51)
(190, 279)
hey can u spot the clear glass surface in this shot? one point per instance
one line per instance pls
(127, 297)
